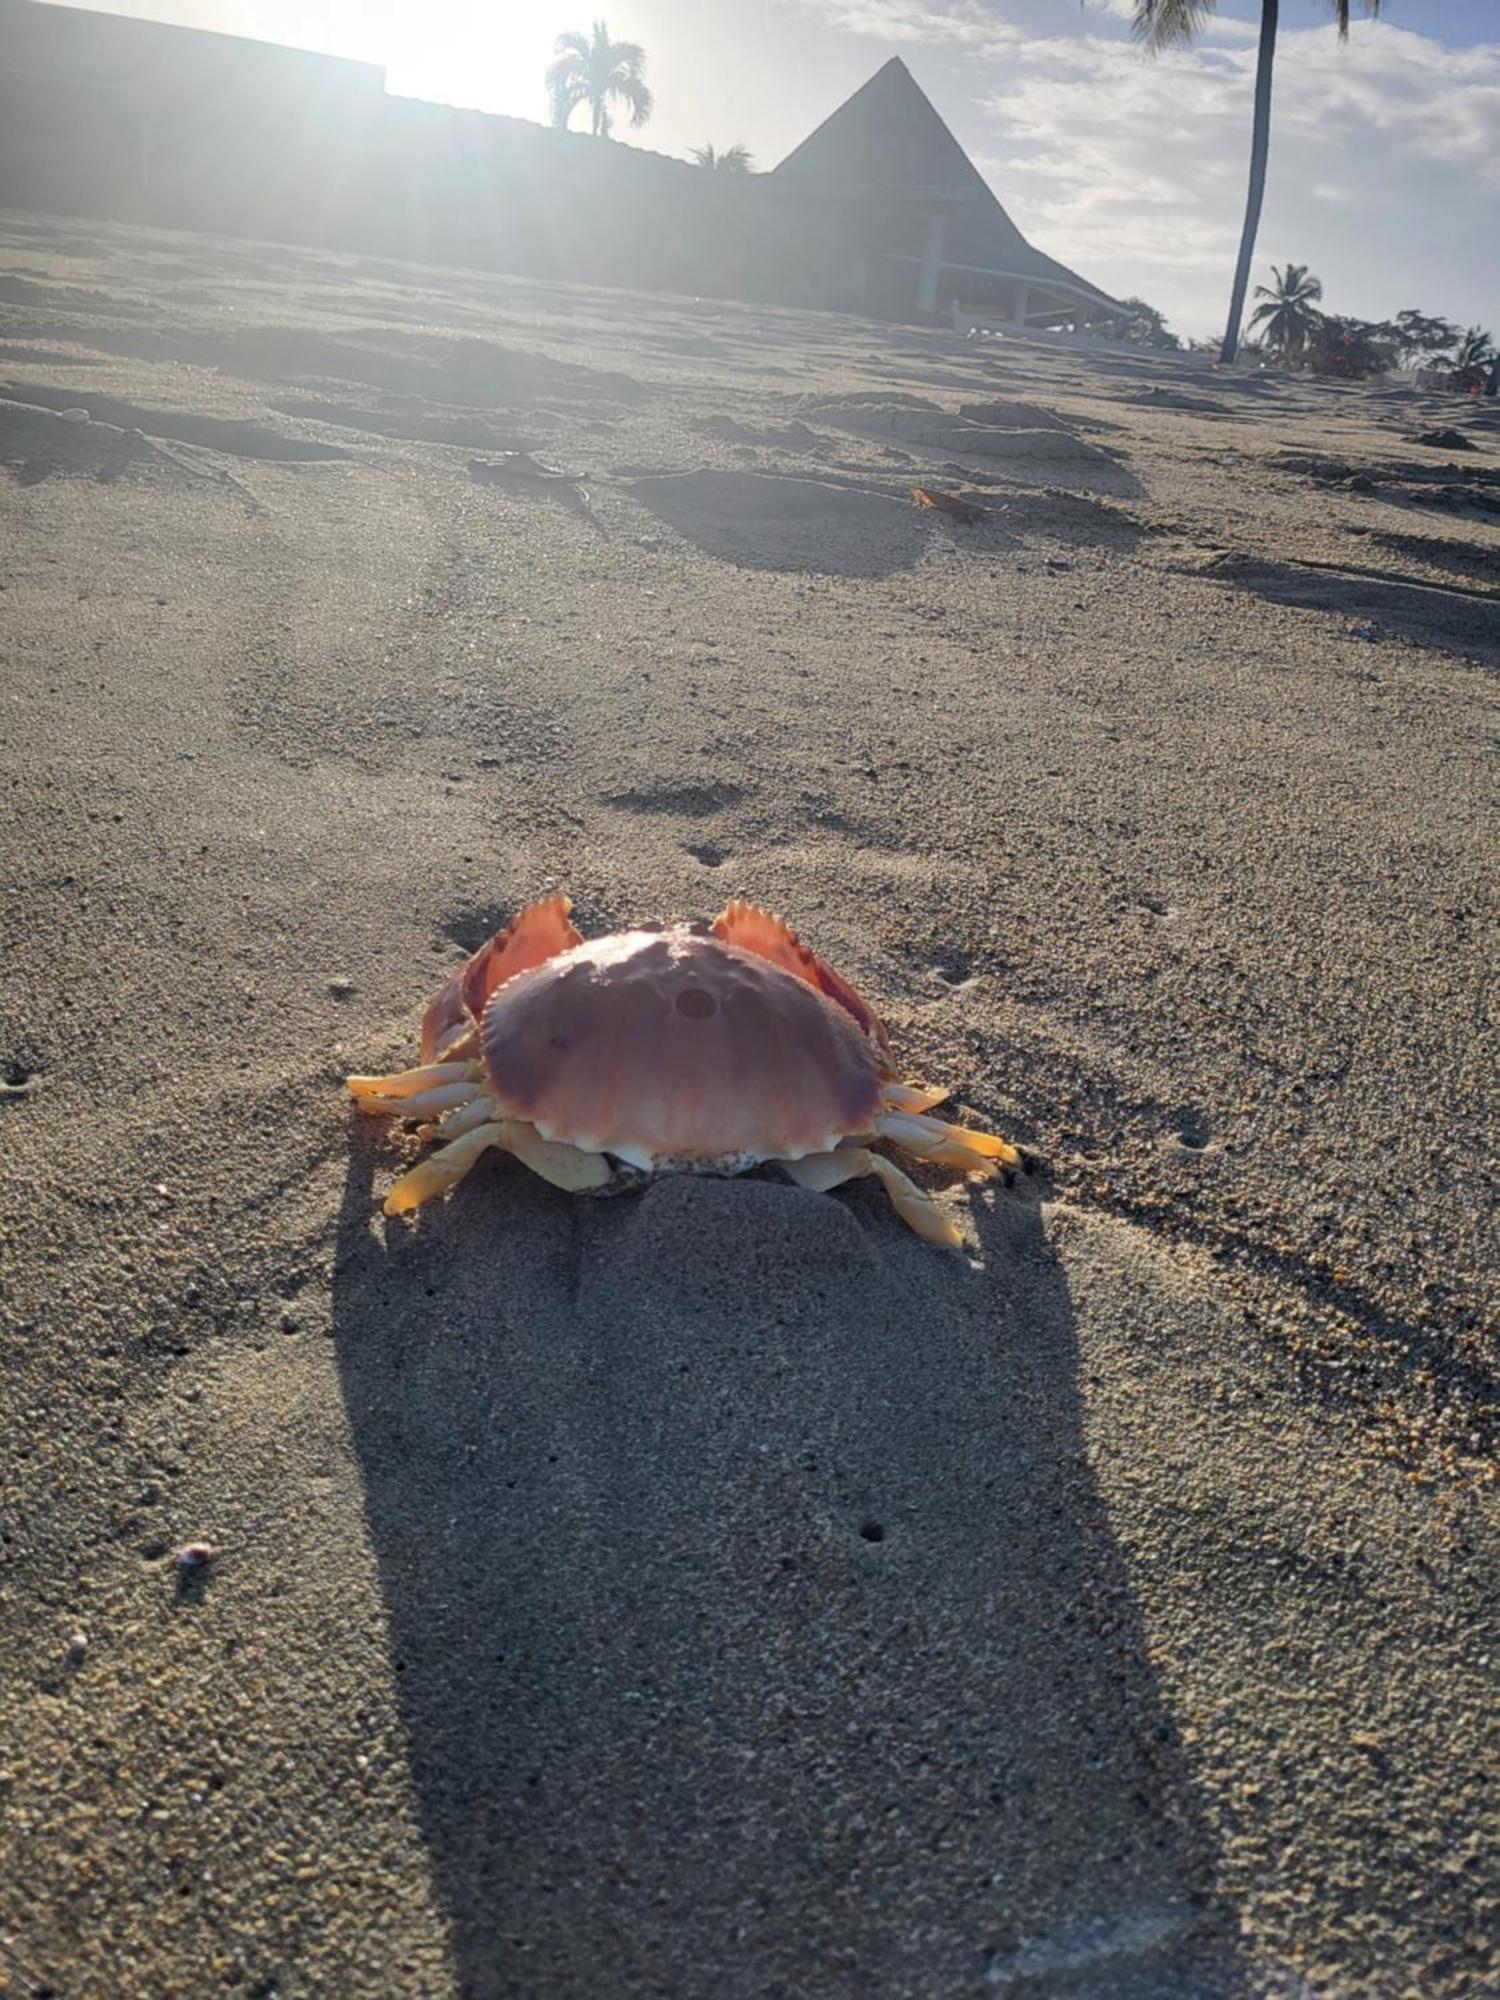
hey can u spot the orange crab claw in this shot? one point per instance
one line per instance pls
(741, 924)
(538, 932)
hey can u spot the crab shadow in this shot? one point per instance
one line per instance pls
(755, 1618)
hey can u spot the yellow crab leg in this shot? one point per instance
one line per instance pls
(410, 1082)
(949, 1145)
(453, 1124)
(916, 1209)
(913, 1096)
(565, 1166)
(822, 1171)
(443, 1169)
(941, 1152)
(426, 1103)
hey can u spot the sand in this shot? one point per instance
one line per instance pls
(718, 1591)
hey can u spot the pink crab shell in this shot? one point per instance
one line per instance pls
(673, 1047)
(704, 1048)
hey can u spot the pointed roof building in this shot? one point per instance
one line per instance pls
(925, 231)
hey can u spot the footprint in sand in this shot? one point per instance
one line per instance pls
(17, 1080)
(693, 799)
(1192, 1133)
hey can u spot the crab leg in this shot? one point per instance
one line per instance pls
(564, 1166)
(947, 1145)
(453, 1124)
(822, 1171)
(410, 1082)
(913, 1096)
(427, 1103)
(916, 1208)
(912, 1134)
(443, 1169)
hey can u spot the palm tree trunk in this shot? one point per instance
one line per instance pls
(1260, 147)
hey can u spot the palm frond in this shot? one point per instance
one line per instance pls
(630, 90)
(733, 159)
(564, 100)
(1340, 11)
(1166, 24)
(591, 69)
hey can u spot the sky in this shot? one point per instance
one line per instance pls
(1385, 150)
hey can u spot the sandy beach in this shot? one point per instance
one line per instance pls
(718, 1591)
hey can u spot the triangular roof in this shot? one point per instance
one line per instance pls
(887, 141)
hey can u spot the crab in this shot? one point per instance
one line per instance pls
(690, 1048)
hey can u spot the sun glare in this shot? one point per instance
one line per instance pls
(463, 52)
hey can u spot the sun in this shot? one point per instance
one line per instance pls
(484, 57)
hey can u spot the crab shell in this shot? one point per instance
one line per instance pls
(692, 1048)
(674, 1050)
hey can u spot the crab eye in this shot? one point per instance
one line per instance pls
(696, 1004)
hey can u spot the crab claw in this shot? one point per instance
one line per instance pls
(750, 929)
(538, 932)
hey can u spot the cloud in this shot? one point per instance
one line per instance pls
(1385, 152)
(936, 23)
(1218, 27)
(1135, 169)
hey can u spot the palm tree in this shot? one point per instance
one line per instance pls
(1475, 358)
(1163, 24)
(591, 69)
(733, 160)
(1290, 311)
(1422, 337)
